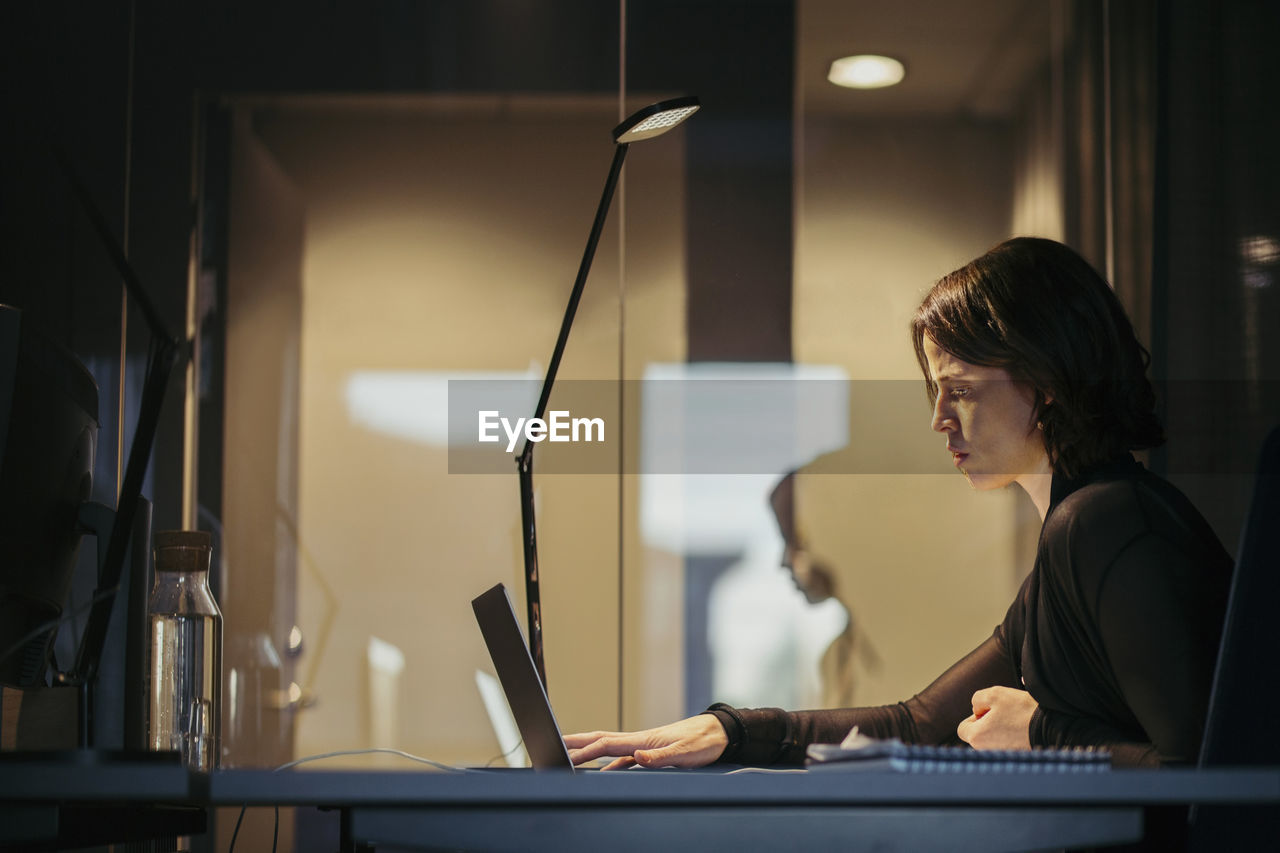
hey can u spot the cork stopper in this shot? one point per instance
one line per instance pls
(182, 550)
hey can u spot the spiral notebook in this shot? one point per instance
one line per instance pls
(860, 752)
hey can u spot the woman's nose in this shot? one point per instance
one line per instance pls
(942, 420)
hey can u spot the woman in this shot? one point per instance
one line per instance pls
(1037, 379)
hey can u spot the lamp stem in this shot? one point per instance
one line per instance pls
(597, 227)
(525, 460)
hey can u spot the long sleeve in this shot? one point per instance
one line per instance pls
(1058, 729)
(773, 736)
(1157, 626)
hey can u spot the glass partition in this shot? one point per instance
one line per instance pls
(747, 307)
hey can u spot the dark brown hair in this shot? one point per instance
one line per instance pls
(1038, 310)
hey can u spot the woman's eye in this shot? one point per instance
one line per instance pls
(959, 392)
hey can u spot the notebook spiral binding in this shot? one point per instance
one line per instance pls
(918, 758)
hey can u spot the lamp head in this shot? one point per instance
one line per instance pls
(655, 119)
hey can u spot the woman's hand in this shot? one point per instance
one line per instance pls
(1001, 719)
(693, 742)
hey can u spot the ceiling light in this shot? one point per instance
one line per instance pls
(866, 72)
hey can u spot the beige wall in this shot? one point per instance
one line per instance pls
(260, 459)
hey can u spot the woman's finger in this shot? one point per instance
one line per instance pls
(620, 763)
(613, 744)
(982, 700)
(581, 739)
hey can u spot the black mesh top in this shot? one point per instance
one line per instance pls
(1114, 633)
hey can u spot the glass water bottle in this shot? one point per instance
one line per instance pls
(185, 642)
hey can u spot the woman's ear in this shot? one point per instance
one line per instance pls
(1043, 402)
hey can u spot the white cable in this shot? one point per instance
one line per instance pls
(385, 749)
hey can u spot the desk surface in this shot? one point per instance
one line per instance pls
(88, 777)
(1118, 787)
(123, 781)
(526, 810)
(36, 781)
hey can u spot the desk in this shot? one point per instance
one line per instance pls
(85, 798)
(637, 810)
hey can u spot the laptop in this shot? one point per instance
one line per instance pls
(527, 698)
(520, 682)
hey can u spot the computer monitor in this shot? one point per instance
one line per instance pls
(48, 435)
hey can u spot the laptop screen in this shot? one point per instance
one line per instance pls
(520, 682)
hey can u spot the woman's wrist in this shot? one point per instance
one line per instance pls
(734, 730)
(1035, 727)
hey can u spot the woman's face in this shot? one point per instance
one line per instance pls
(988, 419)
(810, 577)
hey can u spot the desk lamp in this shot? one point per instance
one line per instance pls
(653, 120)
